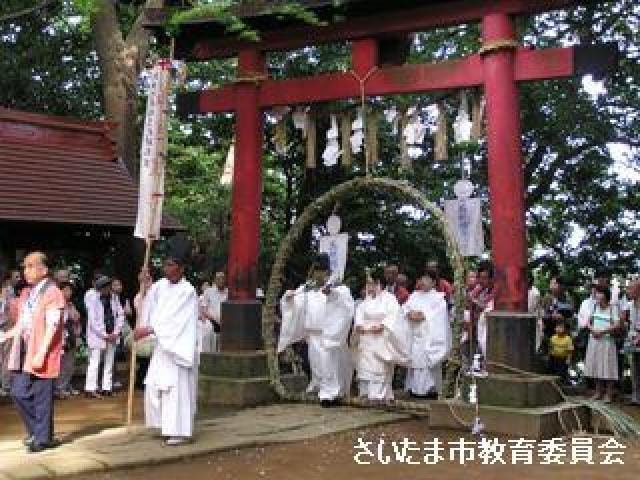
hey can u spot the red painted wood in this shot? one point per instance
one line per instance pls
(506, 176)
(247, 181)
(463, 73)
(364, 56)
(405, 20)
(544, 64)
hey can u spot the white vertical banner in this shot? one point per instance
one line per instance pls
(464, 216)
(336, 247)
(153, 153)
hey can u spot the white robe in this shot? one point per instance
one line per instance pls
(375, 355)
(429, 342)
(483, 328)
(212, 300)
(205, 330)
(170, 393)
(323, 321)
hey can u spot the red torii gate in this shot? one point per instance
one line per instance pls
(499, 66)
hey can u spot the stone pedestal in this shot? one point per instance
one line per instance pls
(239, 379)
(511, 403)
(242, 320)
(511, 340)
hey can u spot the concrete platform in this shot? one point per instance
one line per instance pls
(118, 448)
(534, 423)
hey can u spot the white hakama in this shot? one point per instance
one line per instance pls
(429, 342)
(323, 321)
(376, 355)
(171, 383)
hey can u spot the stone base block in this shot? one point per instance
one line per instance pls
(243, 392)
(534, 423)
(242, 322)
(240, 379)
(234, 364)
(510, 340)
(505, 390)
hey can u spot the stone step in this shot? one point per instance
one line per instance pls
(243, 392)
(234, 364)
(534, 423)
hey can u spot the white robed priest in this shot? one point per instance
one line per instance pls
(170, 313)
(320, 313)
(380, 340)
(426, 313)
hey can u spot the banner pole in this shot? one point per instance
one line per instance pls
(133, 357)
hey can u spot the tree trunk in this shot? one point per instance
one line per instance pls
(121, 60)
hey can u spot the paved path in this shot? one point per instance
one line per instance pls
(118, 448)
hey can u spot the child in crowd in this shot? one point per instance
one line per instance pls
(560, 350)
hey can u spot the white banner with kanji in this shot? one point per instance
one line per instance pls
(336, 247)
(464, 217)
(153, 153)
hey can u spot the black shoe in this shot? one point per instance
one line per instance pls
(106, 393)
(36, 448)
(54, 443)
(431, 396)
(28, 441)
(326, 403)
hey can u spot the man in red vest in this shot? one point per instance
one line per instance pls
(35, 353)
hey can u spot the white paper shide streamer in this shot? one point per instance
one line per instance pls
(153, 153)
(332, 151)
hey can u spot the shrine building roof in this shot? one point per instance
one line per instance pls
(57, 170)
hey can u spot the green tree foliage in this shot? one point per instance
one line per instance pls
(48, 62)
(582, 212)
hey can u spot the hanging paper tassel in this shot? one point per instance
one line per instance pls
(357, 136)
(391, 116)
(477, 116)
(345, 133)
(462, 125)
(372, 138)
(310, 129)
(300, 120)
(440, 147)
(405, 159)
(332, 150)
(414, 133)
(280, 140)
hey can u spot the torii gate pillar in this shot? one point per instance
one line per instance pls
(242, 317)
(506, 177)
(510, 330)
